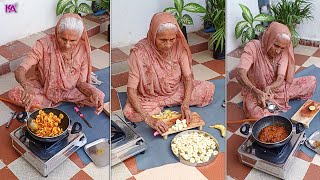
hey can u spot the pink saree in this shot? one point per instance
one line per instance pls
(159, 82)
(262, 73)
(54, 81)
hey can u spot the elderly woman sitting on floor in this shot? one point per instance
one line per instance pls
(160, 75)
(266, 73)
(62, 69)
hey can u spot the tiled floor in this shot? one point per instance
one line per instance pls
(205, 67)
(12, 166)
(303, 167)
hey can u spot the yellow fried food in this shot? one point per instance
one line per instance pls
(48, 124)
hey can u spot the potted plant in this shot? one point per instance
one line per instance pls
(216, 15)
(291, 13)
(207, 18)
(103, 6)
(246, 28)
(72, 6)
(184, 19)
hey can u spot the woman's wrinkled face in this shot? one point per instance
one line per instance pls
(165, 40)
(278, 46)
(68, 40)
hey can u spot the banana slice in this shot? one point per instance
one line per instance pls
(221, 128)
(312, 108)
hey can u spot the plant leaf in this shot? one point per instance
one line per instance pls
(260, 28)
(61, 6)
(170, 10)
(70, 9)
(179, 5)
(187, 20)
(250, 33)
(263, 18)
(246, 14)
(244, 37)
(240, 27)
(194, 7)
(85, 8)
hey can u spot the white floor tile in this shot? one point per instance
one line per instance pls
(22, 169)
(203, 73)
(229, 134)
(3, 60)
(229, 178)
(297, 169)
(316, 160)
(119, 67)
(312, 61)
(176, 170)
(96, 172)
(122, 89)
(231, 63)
(7, 82)
(259, 175)
(89, 24)
(202, 56)
(5, 112)
(237, 99)
(297, 67)
(305, 50)
(194, 39)
(126, 49)
(120, 172)
(100, 59)
(98, 40)
(2, 165)
(31, 40)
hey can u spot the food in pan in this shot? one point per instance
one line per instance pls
(47, 124)
(273, 134)
(194, 147)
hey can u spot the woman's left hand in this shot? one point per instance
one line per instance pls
(98, 103)
(268, 92)
(186, 113)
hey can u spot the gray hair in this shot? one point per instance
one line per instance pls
(284, 36)
(71, 23)
(167, 26)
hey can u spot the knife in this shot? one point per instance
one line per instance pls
(82, 116)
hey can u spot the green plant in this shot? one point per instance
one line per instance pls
(246, 29)
(291, 13)
(72, 6)
(216, 15)
(103, 4)
(179, 7)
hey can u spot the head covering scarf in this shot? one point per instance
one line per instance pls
(269, 37)
(151, 63)
(53, 67)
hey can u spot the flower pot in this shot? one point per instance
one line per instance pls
(184, 31)
(217, 54)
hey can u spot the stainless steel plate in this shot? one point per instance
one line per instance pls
(183, 161)
(314, 137)
(99, 152)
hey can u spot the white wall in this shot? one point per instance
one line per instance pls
(233, 16)
(32, 17)
(130, 19)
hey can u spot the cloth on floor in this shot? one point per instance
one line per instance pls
(158, 151)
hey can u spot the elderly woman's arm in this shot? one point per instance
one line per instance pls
(186, 112)
(243, 79)
(275, 84)
(27, 96)
(156, 124)
(94, 96)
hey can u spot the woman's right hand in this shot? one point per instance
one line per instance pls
(157, 124)
(261, 97)
(27, 96)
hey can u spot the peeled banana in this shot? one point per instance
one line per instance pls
(166, 115)
(221, 128)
